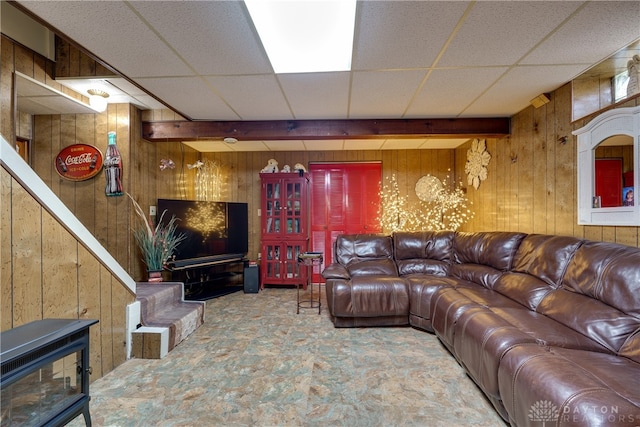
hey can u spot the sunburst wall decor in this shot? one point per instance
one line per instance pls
(477, 160)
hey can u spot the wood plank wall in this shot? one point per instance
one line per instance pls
(532, 185)
(242, 182)
(45, 272)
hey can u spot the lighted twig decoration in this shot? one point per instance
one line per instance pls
(208, 180)
(208, 219)
(444, 209)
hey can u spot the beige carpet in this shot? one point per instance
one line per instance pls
(255, 362)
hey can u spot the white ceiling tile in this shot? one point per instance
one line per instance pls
(405, 34)
(104, 26)
(253, 97)
(402, 144)
(594, 33)
(459, 87)
(324, 145)
(148, 101)
(516, 27)
(223, 22)
(383, 94)
(248, 146)
(363, 144)
(188, 97)
(317, 95)
(285, 145)
(396, 44)
(540, 79)
(208, 146)
(443, 144)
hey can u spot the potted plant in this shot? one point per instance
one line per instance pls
(157, 243)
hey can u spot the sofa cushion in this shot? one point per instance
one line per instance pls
(569, 387)
(479, 274)
(366, 254)
(481, 338)
(545, 257)
(369, 296)
(608, 272)
(525, 289)
(494, 249)
(421, 290)
(598, 321)
(423, 252)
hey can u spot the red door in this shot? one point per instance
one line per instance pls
(609, 182)
(345, 198)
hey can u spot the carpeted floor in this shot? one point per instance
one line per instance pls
(255, 362)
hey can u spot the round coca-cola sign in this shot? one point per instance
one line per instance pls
(78, 162)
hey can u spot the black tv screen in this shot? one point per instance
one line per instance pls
(211, 228)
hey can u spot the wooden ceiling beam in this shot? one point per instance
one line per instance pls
(326, 129)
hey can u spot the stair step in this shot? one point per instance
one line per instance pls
(163, 306)
(150, 342)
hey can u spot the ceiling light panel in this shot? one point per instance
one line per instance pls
(305, 36)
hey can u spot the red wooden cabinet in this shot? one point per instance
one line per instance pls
(284, 228)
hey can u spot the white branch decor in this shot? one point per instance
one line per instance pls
(208, 180)
(477, 160)
(445, 209)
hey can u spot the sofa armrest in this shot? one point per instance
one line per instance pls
(336, 271)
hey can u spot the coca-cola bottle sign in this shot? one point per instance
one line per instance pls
(78, 162)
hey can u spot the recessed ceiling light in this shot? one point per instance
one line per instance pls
(305, 36)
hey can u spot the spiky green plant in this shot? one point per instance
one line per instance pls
(156, 243)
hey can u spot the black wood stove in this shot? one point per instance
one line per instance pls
(45, 373)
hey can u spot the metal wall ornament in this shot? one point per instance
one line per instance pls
(477, 161)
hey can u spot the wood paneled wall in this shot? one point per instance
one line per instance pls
(242, 182)
(532, 185)
(45, 271)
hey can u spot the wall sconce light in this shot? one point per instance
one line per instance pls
(540, 100)
(98, 99)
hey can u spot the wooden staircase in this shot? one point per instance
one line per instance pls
(166, 319)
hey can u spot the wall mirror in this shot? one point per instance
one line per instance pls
(608, 163)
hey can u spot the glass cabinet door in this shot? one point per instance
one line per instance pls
(291, 265)
(273, 208)
(293, 213)
(271, 261)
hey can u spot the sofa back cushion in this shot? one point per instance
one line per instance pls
(365, 254)
(423, 252)
(494, 249)
(545, 257)
(600, 296)
(483, 257)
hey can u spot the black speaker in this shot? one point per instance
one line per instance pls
(251, 279)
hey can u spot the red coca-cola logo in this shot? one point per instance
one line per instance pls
(78, 162)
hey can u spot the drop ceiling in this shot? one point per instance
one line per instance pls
(412, 59)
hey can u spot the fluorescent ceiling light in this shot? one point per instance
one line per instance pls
(305, 36)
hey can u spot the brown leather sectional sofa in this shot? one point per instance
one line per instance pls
(548, 327)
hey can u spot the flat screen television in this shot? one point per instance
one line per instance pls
(211, 228)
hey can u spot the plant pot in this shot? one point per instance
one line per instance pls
(154, 276)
